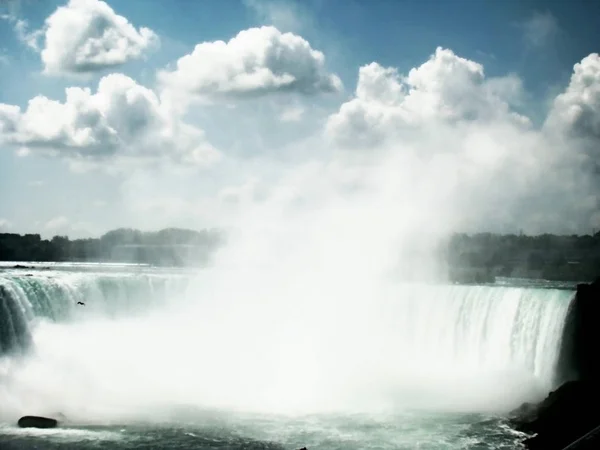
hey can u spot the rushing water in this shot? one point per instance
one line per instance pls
(164, 359)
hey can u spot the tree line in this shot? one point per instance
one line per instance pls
(481, 256)
(546, 256)
(168, 247)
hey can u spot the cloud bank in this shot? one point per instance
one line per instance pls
(577, 110)
(443, 147)
(122, 120)
(411, 158)
(445, 89)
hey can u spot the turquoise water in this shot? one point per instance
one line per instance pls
(212, 431)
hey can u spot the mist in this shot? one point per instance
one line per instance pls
(441, 149)
(296, 313)
(313, 343)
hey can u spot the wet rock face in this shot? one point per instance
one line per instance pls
(565, 415)
(579, 356)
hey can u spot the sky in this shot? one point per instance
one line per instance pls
(427, 115)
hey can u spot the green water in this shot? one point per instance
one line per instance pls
(217, 431)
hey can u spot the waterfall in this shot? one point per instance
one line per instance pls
(144, 340)
(54, 296)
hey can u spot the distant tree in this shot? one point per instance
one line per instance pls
(536, 260)
(62, 248)
(573, 258)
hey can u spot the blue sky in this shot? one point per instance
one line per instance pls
(527, 49)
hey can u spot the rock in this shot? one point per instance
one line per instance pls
(564, 416)
(579, 358)
(37, 422)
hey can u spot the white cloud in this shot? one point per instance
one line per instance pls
(449, 143)
(9, 116)
(446, 88)
(574, 121)
(29, 38)
(540, 28)
(122, 120)
(577, 110)
(87, 36)
(257, 61)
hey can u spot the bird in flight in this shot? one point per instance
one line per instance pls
(81, 303)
